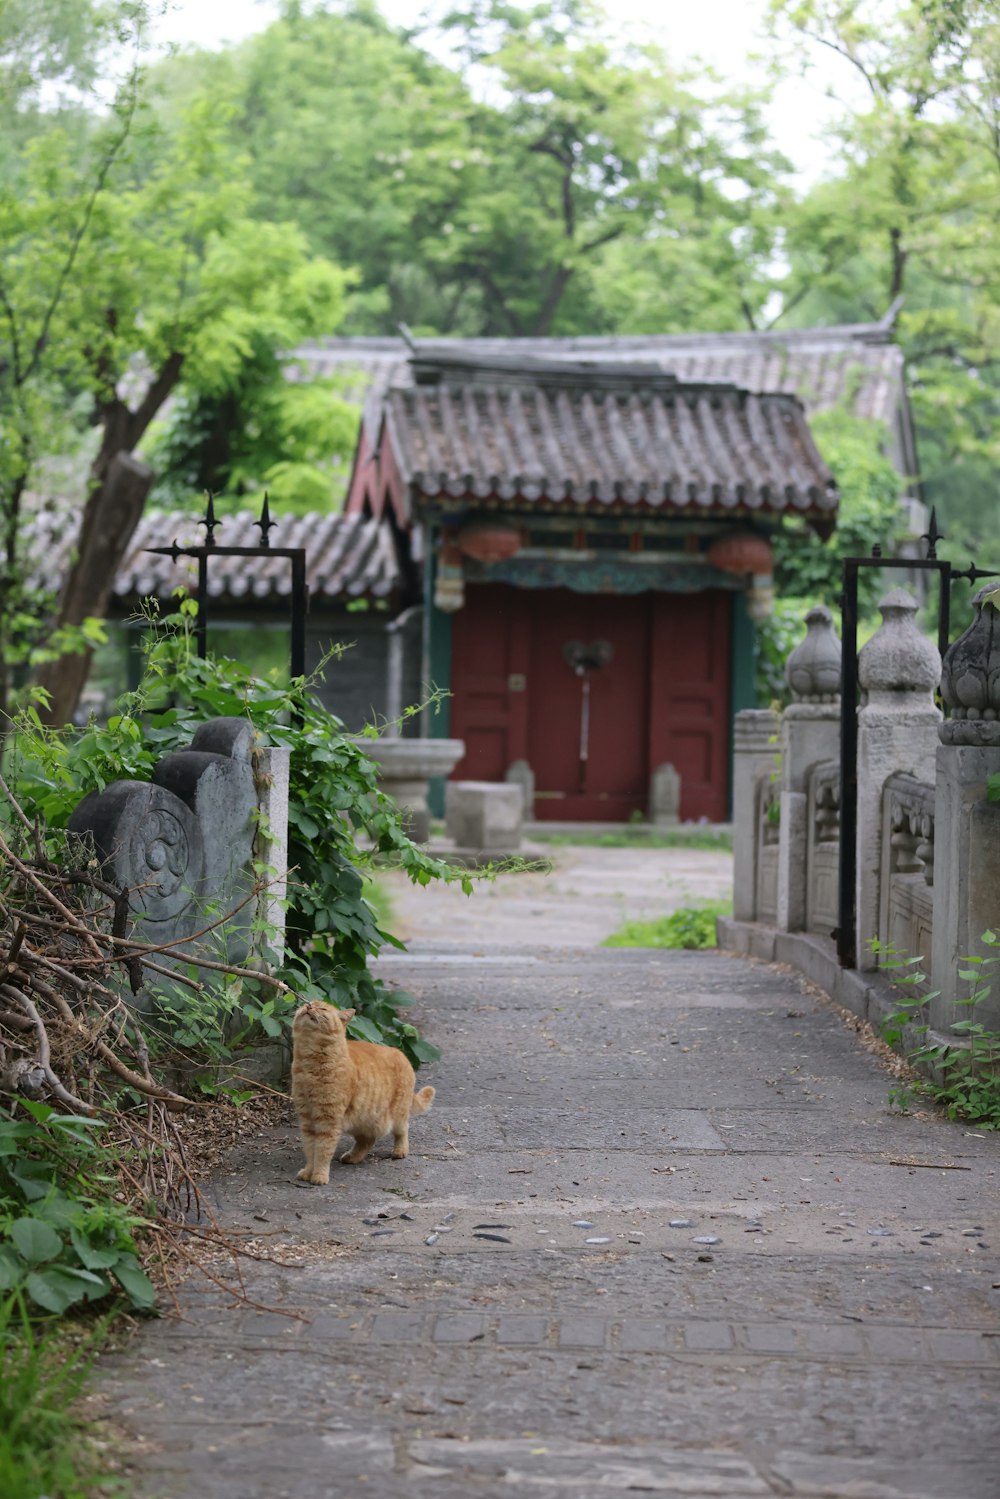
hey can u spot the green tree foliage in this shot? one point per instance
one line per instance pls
(130, 260)
(808, 571)
(807, 568)
(911, 209)
(597, 143)
(550, 180)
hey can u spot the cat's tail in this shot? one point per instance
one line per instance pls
(422, 1101)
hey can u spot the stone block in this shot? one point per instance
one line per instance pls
(733, 936)
(459, 1327)
(708, 1337)
(812, 955)
(762, 943)
(903, 1345)
(834, 1340)
(523, 1330)
(648, 1337)
(520, 773)
(777, 1337)
(853, 992)
(397, 1327)
(664, 797)
(583, 1332)
(485, 814)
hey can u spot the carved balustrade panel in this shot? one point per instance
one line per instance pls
(906, 903)
(768, 826)
(823, 847)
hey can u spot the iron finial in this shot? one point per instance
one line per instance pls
(877, 550)
(265, 524)
(210, 523)
(932, 535)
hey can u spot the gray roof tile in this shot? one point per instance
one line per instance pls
(857, 364)
(708, 447)
(347, 556)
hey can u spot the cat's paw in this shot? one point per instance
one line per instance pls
(314, 1178)
(400, 1155)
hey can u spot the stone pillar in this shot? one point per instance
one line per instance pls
(664, 797)
(897, 732)
(755, 750)
(967, 826)
(810, 734)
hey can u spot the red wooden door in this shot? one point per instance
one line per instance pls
(689, 697)
(590, 761)
(663, 697)
(488, 680)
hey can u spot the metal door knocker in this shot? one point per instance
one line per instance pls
(584, 661)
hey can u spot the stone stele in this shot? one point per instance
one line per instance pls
(183, 844)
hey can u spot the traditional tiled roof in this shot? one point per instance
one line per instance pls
(854, 364)
(347, 556)
(550, 433)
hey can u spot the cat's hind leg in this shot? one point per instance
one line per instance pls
(401, 1138)
(362, 1146)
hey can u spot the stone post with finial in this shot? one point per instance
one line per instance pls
(755, 755)
(898, 723)
(967, 825)
(810, 734)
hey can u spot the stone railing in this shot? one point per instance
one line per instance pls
(928, 835)
(906, 914)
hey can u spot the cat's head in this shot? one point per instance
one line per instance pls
(316, 1017)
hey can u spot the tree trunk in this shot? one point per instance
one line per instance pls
(110, 517)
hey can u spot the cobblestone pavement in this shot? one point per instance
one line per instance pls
(659, 1234)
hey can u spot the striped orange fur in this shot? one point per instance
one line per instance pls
(354, 1086)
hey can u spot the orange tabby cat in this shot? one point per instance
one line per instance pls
(355, 1086)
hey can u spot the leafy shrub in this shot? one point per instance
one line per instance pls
(964, 1077)
(64, 1238)
(340, 825)
(687, 927)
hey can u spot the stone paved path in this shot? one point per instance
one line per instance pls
(658, 1234)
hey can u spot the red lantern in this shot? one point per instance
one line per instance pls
(742, 553)
(485, 541)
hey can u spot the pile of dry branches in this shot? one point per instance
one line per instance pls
(69, 1035)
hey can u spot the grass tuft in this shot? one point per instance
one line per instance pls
(689, 927)
(43, 1447)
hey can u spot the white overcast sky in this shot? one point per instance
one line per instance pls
(722, 33)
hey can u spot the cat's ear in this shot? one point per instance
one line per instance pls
(347, 1015)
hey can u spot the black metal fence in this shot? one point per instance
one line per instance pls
(298, 599)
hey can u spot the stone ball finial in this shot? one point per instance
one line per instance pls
(970, 674)
(898, 660)
(812, 671)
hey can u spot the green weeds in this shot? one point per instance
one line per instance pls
(963, 1076)
(688, 927)
(713, 838)
(43, 1448)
